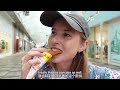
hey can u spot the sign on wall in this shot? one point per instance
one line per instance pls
(115, 43)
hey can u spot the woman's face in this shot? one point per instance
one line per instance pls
(66, 39)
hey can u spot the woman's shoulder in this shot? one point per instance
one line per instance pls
(99, 72)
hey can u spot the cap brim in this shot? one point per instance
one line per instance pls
(48, 18)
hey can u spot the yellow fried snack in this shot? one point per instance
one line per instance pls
(54, 52)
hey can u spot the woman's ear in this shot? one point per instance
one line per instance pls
(86, 43)
(80, 49)
(83, 46)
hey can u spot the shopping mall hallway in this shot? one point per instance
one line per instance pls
(10, 66)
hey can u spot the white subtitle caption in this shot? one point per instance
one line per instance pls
(59, 75)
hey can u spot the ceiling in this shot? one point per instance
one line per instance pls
(32, 24)
(38, 32)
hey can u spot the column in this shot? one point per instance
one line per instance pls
(101, 50)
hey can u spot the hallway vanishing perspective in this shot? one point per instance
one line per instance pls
(20, 31)
(10, 66)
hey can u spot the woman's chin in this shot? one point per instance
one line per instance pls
(55, 60)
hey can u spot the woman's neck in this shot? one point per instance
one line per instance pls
(63, 67)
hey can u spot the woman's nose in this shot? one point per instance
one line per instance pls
(56, 40)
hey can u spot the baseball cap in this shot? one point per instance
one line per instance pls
(76, 21)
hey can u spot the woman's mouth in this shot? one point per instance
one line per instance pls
(56, 49)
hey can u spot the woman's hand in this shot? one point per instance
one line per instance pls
(28, 61)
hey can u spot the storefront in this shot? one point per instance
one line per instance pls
(104, 40)
(6, 33)
(18, 40)
(13, 36)
(114, 42)
(21, 43)
(5, 42)
(98, 43)
(26, 44)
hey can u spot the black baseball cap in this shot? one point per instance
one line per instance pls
(76, 21)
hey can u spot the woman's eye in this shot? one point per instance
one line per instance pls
(53, 32)
(65, 34)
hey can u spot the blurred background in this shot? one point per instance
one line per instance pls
(21, 31)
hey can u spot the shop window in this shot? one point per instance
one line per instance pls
(2, 44)
(91, 49)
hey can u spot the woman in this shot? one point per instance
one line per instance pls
(69, 35)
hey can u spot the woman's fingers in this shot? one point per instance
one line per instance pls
(31, 54)
(26, 67)
(28, 61)
(39, 49)
(34, 52)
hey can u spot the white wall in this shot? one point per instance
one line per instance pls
(6, 27)
(21, 40)
(27, 44)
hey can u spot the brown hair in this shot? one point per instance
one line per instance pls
(80, 61)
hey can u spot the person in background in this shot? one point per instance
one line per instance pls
(106, 50)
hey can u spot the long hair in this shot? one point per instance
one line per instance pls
(80, 61)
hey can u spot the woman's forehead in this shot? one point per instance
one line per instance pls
(61, 21)
(63, 24)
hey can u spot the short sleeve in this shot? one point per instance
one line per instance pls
(98, 72)
(112, 74)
